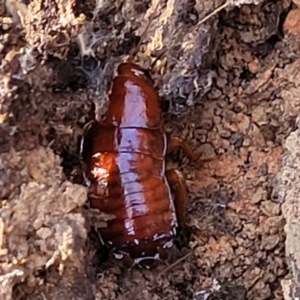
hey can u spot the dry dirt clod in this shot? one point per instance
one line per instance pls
(292, 22)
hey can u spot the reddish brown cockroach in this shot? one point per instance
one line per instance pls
(125, 166)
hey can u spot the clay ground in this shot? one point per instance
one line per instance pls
(232, 87)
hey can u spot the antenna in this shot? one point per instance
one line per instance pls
(221, 7)
(218, 9)
(157, 59)
(134, 53)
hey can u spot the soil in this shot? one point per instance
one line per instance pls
(231, 87)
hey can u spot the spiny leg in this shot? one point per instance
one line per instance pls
(177, 183)
(77, 176)
(175, 143)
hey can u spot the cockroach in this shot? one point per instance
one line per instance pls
(125, 167)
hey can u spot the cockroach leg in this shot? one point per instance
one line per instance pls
(77, 175)
(84, 150)
(163, 253)
(162, 65)
(127, 260)
(177, 183)
(175, 143)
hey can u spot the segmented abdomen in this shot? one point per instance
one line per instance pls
(126, 168)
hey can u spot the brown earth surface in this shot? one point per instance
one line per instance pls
(232, 86)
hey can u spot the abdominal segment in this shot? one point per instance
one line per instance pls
(131, 185)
